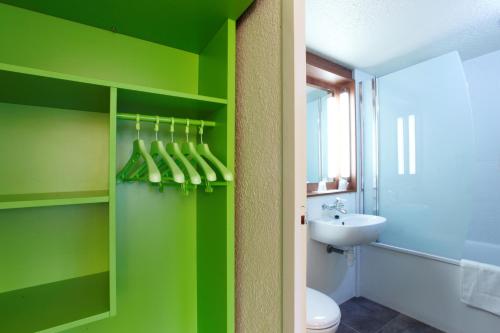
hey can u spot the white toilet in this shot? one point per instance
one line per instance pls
(323, 314)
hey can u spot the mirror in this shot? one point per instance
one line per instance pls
(331, 140)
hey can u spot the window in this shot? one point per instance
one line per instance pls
(331, 140)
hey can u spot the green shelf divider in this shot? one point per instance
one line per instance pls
(28, 200)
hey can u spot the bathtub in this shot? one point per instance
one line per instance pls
(423, 286)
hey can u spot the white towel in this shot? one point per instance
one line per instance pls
(481, 286)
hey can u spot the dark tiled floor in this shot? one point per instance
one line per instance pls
(360, 315)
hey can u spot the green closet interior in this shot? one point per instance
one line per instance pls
(79, 251)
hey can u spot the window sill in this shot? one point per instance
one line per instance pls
(329, 192)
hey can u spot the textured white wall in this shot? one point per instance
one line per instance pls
(259, 170)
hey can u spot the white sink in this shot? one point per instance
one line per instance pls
(348, 230)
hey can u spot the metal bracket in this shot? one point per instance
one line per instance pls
(332, 249)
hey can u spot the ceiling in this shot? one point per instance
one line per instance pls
(381, 36)
(183, 24)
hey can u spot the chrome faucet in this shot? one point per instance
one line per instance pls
(338, 206)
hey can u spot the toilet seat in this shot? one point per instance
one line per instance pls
(322, 311)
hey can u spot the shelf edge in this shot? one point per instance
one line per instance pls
(76, 323)
(53, 202)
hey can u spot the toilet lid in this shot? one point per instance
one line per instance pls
(322, 311)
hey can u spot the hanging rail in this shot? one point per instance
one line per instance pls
(152, 119)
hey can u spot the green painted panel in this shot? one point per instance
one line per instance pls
(212, 255)
(187, 24)
(112, 200)
(213, 65)
(44, 245)
(216, 238)
(230, 162)
(38, 308)
(216, 210)
(35, 40)
(52, 150)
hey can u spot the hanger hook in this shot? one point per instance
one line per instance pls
(157, 127)
(201, 131)
(172, 128)
(187, 130)
(138, 124)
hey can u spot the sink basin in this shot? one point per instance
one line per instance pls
(348, 230)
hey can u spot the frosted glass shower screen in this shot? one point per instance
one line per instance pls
(425, 157)
(483, 240)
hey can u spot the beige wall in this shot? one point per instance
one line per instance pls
(259, 170)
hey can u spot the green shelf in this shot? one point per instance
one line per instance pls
(27, 89)
(28, 200)
(157, 101)
(57, 306)
(91, 94)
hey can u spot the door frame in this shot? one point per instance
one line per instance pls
(294, 166)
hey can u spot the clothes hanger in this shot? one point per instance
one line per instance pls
(129, 171)
(163, 160)
(205, 151)
(175, 151)
(189, 149)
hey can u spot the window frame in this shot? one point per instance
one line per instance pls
(327, 75)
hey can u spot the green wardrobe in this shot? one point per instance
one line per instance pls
(79, 250)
